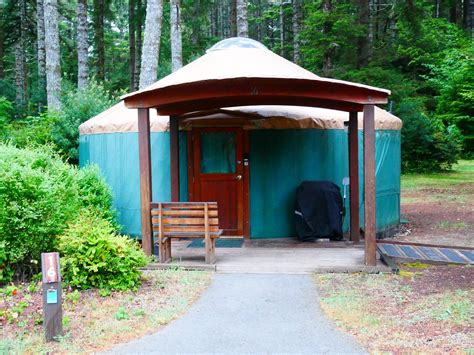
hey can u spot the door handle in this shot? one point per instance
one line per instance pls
(239, 177)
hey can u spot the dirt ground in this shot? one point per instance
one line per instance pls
(439, 211)
(425, 309)
(94, 322)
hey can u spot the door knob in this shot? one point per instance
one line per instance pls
(239, 177)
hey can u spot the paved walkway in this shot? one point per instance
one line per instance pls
(250, 314)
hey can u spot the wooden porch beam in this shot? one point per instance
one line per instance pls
(369, 186)
(144, 152)
(174, 158)
(354, 176)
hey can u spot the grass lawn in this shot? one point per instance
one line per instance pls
(462, 173)
(439, 207)
(92, 322)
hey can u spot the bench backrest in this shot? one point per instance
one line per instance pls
(184, 217)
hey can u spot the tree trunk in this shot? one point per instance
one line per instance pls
(151, 43)
(468, 17)
(138, 43)
(327, 27)
(2, 53)
(220, 23)
(40, 48)
(233, 18)
(297, 15)
(98, 22)
(82, 45)
(20, 60)
(282, 30)
(370, 35)
(214, 21)
(20, 75)
(131, 43)
(53, 70)
(258, 24)
(242, 22)
(195, 28)
(176, 43)
(363, 41)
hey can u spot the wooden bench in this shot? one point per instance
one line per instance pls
(185, 220)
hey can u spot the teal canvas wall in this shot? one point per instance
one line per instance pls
(279, 161)
(117, 156)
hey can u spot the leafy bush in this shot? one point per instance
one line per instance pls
(95, 256)
(6, 109)
(39, 195)
(93, 191)
(454, 80)
(77, 107)
(32, 130)
(427, 144)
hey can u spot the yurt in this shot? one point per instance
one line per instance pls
(269, 150)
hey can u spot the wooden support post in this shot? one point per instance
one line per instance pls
(174, 158)
(369, 186)
(354, 176)
(144, 152)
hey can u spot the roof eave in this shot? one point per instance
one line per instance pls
(211, 94)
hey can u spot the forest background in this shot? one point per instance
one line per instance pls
(62, 62)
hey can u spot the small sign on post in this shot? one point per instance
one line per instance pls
(52, 297)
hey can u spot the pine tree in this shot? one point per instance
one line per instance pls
(242, 22)
(151, 43)
(41, 52)
(53, 71)
(297, 15)
(99, 45)
(20, 60)
(176, 42)
(82, 45)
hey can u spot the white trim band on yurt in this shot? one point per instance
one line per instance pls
(119, 119)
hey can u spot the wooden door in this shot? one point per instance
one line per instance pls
(218, 174)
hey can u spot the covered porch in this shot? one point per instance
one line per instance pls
(282, 256)
(239, 72)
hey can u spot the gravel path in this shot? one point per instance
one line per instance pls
(250, 314)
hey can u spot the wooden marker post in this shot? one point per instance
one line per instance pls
(52, 297)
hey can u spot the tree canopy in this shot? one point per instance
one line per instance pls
(422, 50)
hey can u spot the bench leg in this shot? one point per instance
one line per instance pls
(210, 245)
(165, 251)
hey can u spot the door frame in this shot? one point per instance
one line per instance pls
(245, 171)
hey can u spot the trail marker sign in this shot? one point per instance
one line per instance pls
(52, 296)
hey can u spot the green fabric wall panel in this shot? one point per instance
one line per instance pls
(117, 156)
(279, 161)
(298, 155)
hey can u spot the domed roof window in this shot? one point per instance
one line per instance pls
(236, 42)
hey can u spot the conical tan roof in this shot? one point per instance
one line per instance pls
(249, 74)
(119, 119)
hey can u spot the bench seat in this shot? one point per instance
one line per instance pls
(172, 220)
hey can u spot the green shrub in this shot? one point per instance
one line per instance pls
(93, 191)
(6, 111)
(32, 130)
(39, 196)
(427, 144)
(95, 256)
(77, 107)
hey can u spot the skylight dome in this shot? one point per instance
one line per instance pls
(236, 42)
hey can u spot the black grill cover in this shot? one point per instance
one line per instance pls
(318, 211)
